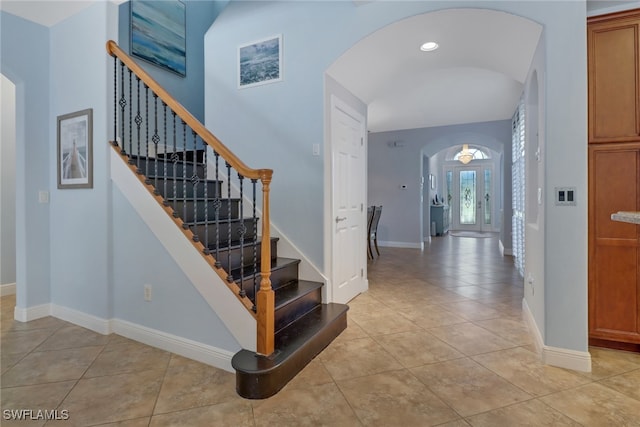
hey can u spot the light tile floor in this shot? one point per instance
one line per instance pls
(437, 340)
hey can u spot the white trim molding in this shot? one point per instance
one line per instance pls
(31, 313)
(190, 349)
(565, 358)
(7, 289)
(555, 356)
(407, 245)
(94, 323)
(194, 350)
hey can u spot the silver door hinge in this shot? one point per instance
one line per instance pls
(362, 272)
(361, 141)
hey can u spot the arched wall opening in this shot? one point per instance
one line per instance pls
(8, 190)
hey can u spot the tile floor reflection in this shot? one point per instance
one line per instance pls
(438, 339)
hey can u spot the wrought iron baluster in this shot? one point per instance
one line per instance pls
(195, 180)
(174, 160)
(123, 104)
(138, 121)
(165, 159)
(243, 231)
(255, 244)
(184, 175)
(130, 119)
(146, 139)
(115, 101)
(229, 276)
(206, 201)
(216, 206)
(155, 139)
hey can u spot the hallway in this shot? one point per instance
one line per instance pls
(438, 340)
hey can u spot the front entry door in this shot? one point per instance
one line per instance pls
(349, 234)
(471, 201)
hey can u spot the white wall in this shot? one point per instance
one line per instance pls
(534, 277)
(8, 182)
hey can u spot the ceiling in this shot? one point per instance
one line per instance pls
(476, 75)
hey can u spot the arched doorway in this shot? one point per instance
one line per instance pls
(8, 190)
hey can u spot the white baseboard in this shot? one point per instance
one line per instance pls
(7, 289)
(555, 356)
(207, 354)
(503, 250)
(88, 321)
(565, 358)
(533, 327)
(31, 313)
(204, 353)
(408, 245)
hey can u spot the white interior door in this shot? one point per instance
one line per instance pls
(472, 198)
(348, 219)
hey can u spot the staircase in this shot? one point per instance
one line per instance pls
(191, 177)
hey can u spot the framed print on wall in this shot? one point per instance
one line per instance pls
(75, 150)
(260, 62)
(158, 33)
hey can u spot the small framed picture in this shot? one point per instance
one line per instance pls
(260, 62)
(75, 150)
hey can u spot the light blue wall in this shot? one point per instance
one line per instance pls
(176, 307)
(391, 167)
(275, 125)
(189, 90)
(80, 226)
(24, 59)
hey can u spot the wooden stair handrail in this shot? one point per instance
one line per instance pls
(265, 302)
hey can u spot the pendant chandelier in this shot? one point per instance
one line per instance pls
(465, 155)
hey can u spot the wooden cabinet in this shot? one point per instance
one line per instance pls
(440, 215)
(614, 77)
(614, 247)
(614, 179)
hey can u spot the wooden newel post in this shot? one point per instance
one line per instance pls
(265, 300)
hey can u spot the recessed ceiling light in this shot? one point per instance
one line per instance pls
(429, 46)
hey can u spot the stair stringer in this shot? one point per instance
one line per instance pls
(307, 270)
(235, 316)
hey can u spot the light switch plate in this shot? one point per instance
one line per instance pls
(566, 196)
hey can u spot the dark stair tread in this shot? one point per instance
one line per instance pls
(235, 244)
(201, 199)
(293, 291)
(258, 377)
(276, 264)
(221, 220)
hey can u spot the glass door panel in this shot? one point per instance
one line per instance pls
(487, 196)
(468, 197)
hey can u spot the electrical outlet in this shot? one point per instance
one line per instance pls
(147, 292)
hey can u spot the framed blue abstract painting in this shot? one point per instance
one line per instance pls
(158, 33)
(260, 62)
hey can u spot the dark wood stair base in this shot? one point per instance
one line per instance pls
(259, 377)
